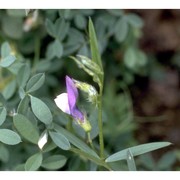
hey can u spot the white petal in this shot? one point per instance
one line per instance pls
(62, 102)
(43, 140)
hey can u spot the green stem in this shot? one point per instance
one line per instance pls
(90, 141)
(92, 158)
(1, 77)
(36, 53)
(100, 125)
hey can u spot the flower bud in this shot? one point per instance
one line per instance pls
(89, 89)
(85, 125)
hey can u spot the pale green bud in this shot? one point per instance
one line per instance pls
(85, 125)
(89, 89)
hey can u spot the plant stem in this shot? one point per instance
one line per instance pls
(92, 158)
(90, 140)
(36, 53)
(100, 125)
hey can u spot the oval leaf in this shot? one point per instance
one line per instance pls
(50, 28)
(23, 75)
(60, 140)
(137, 150)
(121, 30)
(9, 90)
(41, 110)
(26, 128)
(34, 162)
(3, 114)
(9, 137)
(134, 20)
(54, 162)
(80, 21)
(35, 82)
(4, 154)
(5, 50)
(7, 61)
(23, 105)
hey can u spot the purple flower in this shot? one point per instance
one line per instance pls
(67, 101)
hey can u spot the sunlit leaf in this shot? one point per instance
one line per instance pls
(94, 45)
(9, 90)
(5, 50)
(7, 61)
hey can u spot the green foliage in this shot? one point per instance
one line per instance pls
(60, 140)
(3, 114)
(137, 150)
(75, 141)
(41, 110)
(33, 64)
(26, 128)
(7, 61)
(34, 162)
(54, 162)
(35, 82)
(9, 137)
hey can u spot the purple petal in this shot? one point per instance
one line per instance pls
(72, 92)
(72, 98)
(77, 114)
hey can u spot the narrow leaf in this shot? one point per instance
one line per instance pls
(75, 141)
(94, 45)
(60, 140)
(34, 162)
(9, 137)
(3, 114)
(90, 64)
(7, 61)
(26, 128)
(54, 162)
(41, 110)
(35, 82)
(137, 150)
(130, 161)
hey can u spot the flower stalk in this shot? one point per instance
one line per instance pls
(100, 125)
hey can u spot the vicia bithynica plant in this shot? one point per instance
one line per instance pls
(51, 132)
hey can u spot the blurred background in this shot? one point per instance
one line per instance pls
(141, 56)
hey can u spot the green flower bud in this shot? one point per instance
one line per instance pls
(89, 89)
(85, 125)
